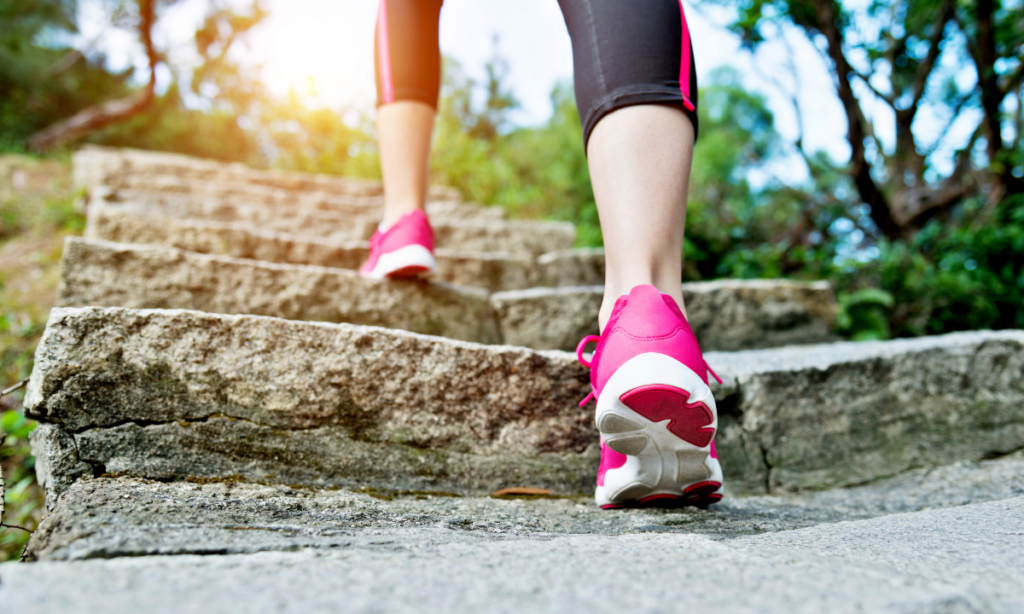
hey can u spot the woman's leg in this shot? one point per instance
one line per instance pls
(408, 69)
(655, 410)
(636, 92)
(639, 160)
(403, 139)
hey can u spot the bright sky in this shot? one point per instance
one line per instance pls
(329, 44)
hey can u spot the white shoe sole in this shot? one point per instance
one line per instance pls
(660, 463)
(409, 261)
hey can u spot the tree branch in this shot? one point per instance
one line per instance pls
(860, 170)
(99, 116)
(1014, 80)
(985, 61)
(1018, 120)
(956, 115)
(935, 203)
(793, 100)
(924, 70)
(10, 389)
(14, 526)
(867, 81)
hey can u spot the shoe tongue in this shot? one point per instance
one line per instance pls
(648, 313)
(645, 292)
(646, 299)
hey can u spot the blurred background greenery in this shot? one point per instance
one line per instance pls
(920, 232)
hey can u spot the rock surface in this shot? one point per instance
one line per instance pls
(725, 315)
(230, 197)
(520, 237)
(302, 221)
(144, 276)
(845, 567)
(571, 267)
(548, 318)
(492, 271)
(96, 165)
(846, 413)
(194, 461)
(117, 517)
(140, 276)
(742, 314)
(979, 546)
(177, 395)
(172, 395)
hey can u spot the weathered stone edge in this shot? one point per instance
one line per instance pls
(754, 426)
(487, 270)
(322, 293)
(91, 158)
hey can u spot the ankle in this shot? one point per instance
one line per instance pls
(612, 293)
(394, 211)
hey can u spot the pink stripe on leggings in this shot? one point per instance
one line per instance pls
(384, 54)
(684, 61)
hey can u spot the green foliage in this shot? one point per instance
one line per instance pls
(864, 314)
(955, 277)
(734, 230)
(169, 125)
(22, 501)
(39, 208)
(33, 93)
(532, 172)
(307, 136)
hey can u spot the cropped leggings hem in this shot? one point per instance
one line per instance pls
(625, 53)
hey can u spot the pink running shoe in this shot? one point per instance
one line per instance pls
(655, 410)
(404, 250)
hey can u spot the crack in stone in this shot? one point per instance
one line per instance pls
(195, 420)
(768, 468)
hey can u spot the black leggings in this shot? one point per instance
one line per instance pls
(625, 52)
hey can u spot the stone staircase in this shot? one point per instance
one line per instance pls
(365, 421)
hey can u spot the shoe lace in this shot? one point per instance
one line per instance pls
(586, 363)
(712, 372)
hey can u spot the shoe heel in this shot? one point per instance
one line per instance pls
(703, 494)
(690, 422)
(662, 417)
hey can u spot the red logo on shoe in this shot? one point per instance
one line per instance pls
(690, 422)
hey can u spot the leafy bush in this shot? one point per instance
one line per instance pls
(954, 275)
(864, 314)
(22, 499)
(39, 208)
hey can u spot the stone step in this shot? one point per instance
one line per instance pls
(725, 315)
(570, 267)
(178, 395)
(142, 276)
(172, 192)
(962, 559)
(519, 237)
(119, 517)
(493, 271)
(96, 165)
